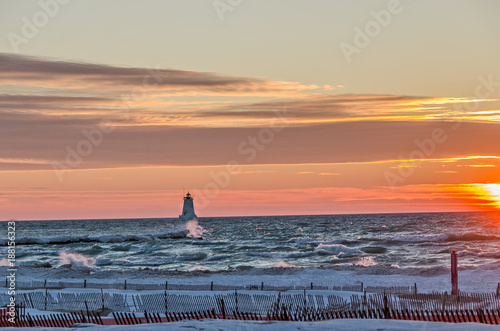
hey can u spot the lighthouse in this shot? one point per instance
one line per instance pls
(188, 209)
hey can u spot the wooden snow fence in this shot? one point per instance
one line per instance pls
(69, 301)
(127, 285)
(166, 307)
(51, 320)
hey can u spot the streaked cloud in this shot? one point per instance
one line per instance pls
(48, 137)
(186, 124)
(103, 79)
(178, 97)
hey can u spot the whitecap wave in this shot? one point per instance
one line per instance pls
(366, 261)
(283, 264)
(175, 233)
(194, 229)
(76, 261)
(334, 249)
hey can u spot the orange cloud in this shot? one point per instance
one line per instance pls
(173, 128)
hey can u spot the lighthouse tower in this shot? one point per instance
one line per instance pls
(188, 209)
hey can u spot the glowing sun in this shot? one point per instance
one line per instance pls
(493, 193)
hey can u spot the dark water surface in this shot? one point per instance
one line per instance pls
(405, 240)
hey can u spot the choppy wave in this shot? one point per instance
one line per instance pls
(373, 249)
(103, 261)
(420, 238)
(162, 260)
(105, 238)
(312, 241)
(365, 261)
(334, 249)
(93, 250)
(442, 237)
(321, 249)
(76, 261)
(195, 230)
(283, 264)
(479, 254)
(282, 255)
(235, 244)
(216, 257)
(120, 248)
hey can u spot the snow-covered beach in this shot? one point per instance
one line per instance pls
(326, 278)
(230, 325)
(471, 280)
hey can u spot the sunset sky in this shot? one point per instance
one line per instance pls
(114, 109)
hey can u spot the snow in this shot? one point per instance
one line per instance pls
(232, 325)
(469, 281)
(472, 280)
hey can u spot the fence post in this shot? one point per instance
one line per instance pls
(84, 283)
(102, 298)
(311, 285)
(223, 308)
(262, 286)
(211, 286)
(498, 290)
(386, 307)
(166, 306)
(480, 314)
(31, 300)
(362, 286)
(236, 298)
(415, 288)
(166, 285)
(125, 286)
(45, 283)
(454, 273)
(87, 307)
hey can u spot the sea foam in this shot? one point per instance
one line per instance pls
(76, 261)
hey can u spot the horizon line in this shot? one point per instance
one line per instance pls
(282, 215)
